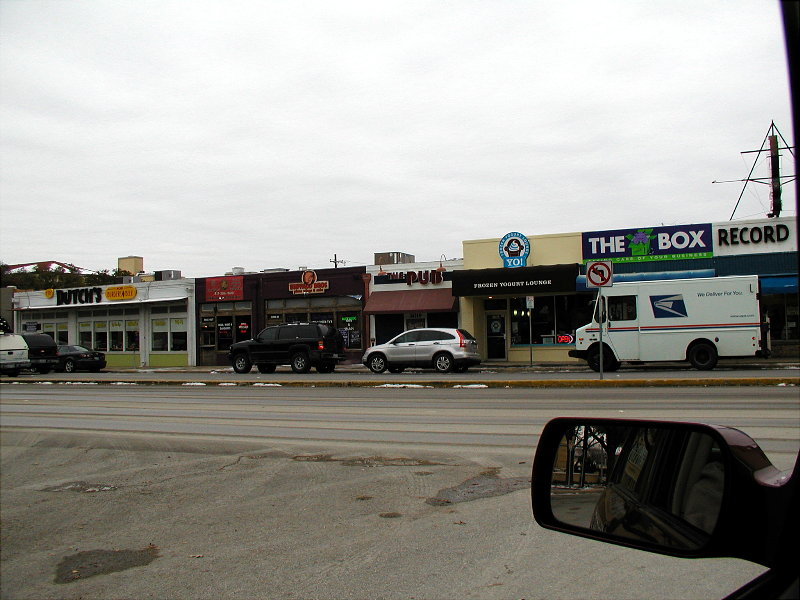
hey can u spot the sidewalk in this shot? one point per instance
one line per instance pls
(570, 367)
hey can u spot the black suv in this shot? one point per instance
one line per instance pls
(42, 352)
(301, 345)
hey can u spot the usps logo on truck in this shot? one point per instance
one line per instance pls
(668, 307)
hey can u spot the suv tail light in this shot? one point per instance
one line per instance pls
(321, 345)
(462, 341)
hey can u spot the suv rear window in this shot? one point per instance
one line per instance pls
(432, 336)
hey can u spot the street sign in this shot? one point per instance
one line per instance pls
(599, 273)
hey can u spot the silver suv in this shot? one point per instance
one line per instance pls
(442, 349)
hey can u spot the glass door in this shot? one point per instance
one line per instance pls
(495, 336)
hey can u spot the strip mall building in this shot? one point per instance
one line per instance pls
(522, 296)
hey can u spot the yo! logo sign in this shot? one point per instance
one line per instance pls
(514, 249)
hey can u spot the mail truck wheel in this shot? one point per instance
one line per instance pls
(703, 356)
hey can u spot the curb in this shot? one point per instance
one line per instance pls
(540, 384)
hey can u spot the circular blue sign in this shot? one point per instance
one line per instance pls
(514, 249)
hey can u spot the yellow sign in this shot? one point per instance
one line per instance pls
(121, 292)
(49, 293)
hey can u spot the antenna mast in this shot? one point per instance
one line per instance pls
(775, 178)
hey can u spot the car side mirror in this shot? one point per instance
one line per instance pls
(682, 489)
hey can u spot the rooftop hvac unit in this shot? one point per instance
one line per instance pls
(165, 275)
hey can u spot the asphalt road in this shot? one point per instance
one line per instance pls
(222, 491)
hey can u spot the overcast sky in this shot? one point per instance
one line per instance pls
(204, 135)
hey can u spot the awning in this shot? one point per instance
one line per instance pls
(103, 304)
(407, 301)
(580, 282)
(778, 285)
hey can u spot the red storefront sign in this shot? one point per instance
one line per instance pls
(224, 288)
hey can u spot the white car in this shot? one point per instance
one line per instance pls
(432, 348)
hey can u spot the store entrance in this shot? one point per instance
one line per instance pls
(496, 336)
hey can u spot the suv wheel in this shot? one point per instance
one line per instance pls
(377, 363)
(266, 368)
(443, 362)
(300, 363)
(242, 364)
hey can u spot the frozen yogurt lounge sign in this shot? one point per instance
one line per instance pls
(678, 242)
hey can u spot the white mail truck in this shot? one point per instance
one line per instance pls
(695, 320)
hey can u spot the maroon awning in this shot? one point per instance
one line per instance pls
(434, 300)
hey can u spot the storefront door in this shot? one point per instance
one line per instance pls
(495, 336)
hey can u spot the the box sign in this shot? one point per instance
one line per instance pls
(679, 242)
(514, 249)
(309, 284)
(759, 236)
(224, 288)
(120, 292)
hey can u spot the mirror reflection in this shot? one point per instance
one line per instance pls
(661, 485)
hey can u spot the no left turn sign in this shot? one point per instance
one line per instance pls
(599, 273)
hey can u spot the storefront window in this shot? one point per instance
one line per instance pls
(782, 312)
(132, 336)
(178, 335)
(551, 320)
(101, 336)
(160, 335)
(349, 325)
(85, 335)
(117, 335)
(62, 335)
(243, 326)
(223, 323)
(342, 312)
(208, 335)
(224, 332)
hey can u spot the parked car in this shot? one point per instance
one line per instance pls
(13, 351)
(301, 345)
(42, 352)
(432, 348)
(78, 358)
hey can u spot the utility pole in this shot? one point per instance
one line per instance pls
(336, 261)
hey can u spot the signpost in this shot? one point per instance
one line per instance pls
(529, 305)
(600, 274)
